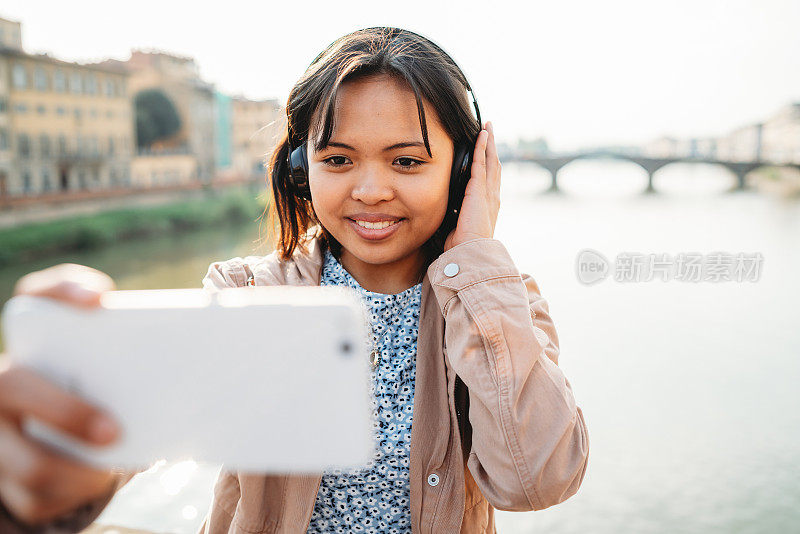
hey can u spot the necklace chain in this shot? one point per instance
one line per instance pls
(375, 354)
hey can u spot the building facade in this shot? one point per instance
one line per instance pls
(63, 126)
(163, 169)
(194, 99)
(742, 144)
(222, 131)
(256, 128)
(781, 135)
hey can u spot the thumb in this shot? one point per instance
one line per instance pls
(71, 283)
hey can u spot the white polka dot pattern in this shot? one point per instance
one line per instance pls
(376, 499)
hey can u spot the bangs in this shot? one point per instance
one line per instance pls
(323, 122)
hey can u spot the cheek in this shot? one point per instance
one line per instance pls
(428, 199)
(327, 196)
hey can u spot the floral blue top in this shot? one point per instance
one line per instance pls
(376, 499)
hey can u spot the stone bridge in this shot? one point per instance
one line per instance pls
(555, 163)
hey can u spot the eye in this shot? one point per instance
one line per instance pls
(340, 161)
(409, 163)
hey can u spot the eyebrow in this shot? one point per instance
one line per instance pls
(402, 144)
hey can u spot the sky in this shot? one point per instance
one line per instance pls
(579, 73)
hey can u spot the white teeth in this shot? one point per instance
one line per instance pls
(375, 225)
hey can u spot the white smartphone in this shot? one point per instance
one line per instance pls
(260, 379)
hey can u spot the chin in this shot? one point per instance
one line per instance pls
(374, 254)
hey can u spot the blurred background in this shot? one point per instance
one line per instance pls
(651, 186)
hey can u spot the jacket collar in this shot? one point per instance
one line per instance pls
(305, 267)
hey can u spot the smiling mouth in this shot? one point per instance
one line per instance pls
(379, 225)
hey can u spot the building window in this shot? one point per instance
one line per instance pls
(41, 110)
(76, 83)
(20, 77)
(59, 81)
(23, 145)
(109, 88)
(44, 145)
(62, 144)
(20, 108)
(93, 145)
(3, 139)
(27, 185)
(78, 113)
(93, 113)
(46, 184)
(40, 79)
(90, 86)
(61, 110)
(3, 105)
(82, 179)
(110, 114)
(110, 146)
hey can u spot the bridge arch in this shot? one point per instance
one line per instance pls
(566, 162)
(738, 180)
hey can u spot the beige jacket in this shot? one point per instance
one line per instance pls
(525, 446)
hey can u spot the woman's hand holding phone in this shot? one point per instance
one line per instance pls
(481, 203)
(37, 483)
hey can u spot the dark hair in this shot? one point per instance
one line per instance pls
(429, 72)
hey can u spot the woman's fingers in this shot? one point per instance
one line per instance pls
(492, 161)
(36, 481)
(27, 506)
(34, 508)
(43, 471)
(75, 284)
(24, 392)
(478, 169)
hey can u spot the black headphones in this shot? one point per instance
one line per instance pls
(297, 159)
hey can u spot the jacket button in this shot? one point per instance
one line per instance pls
(433, 479)
(451, 269)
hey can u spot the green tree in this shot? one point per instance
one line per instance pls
(156, 117)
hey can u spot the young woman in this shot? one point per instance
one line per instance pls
(473, 412)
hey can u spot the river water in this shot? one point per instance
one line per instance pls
(689, 388)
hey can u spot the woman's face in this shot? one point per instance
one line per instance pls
(374, 188)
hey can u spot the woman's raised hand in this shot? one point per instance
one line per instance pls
(481, 203)
(36, 482)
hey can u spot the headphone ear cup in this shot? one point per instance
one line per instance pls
(460, 177)
(298, 172)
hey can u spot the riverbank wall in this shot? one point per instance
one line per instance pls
(133, 217)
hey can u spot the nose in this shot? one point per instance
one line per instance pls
(373, 185)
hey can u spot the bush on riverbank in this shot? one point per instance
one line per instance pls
(80, 233)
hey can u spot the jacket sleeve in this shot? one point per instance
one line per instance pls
(224, 274)
(74, 521)
(530, 444)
